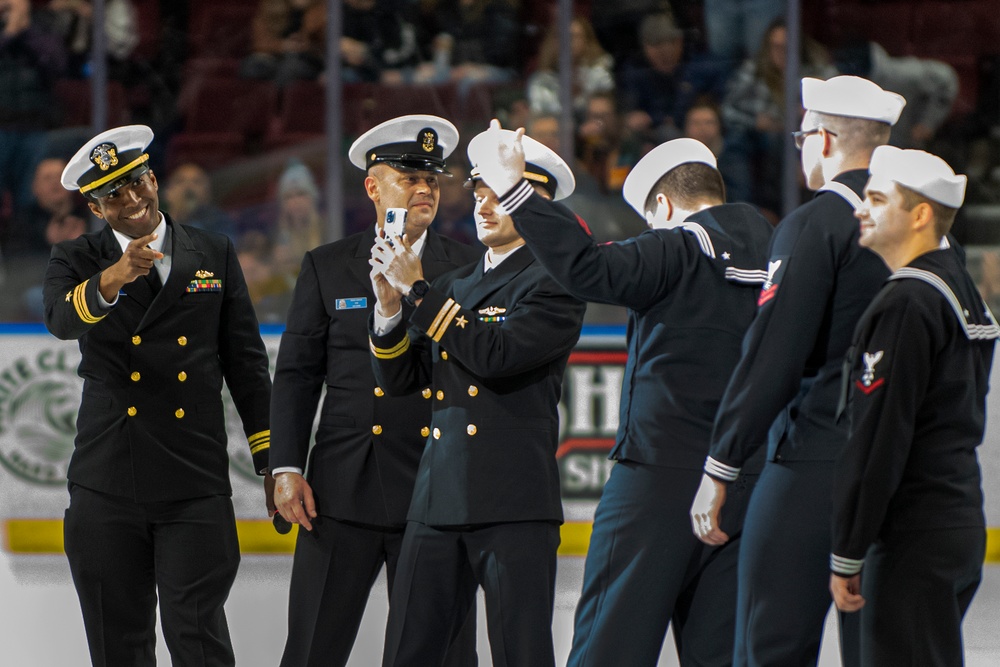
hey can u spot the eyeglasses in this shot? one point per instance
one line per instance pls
(800, 136)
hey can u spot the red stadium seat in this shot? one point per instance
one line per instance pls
(74, 96)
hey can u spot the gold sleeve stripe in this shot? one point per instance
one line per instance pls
(432, 329)
(80, 304)
(392, 352)
(261, 435)
(115, 174)
(447, 322)
(266, 444)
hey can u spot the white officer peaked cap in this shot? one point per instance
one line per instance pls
(110, 160)
(418, 142)
(657, 163)
(921, 172)
(542, 164)
(853, 97)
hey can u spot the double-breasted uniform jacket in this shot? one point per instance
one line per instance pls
(788, 379)
(691, 292)
(151, 425)
(368, 444)
(493, 348)
(921, 363)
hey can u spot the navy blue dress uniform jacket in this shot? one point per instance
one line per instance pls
(691, 292)
(494, 348)
(819, 283)
(151, 425)
(368, 444)
(918, 384)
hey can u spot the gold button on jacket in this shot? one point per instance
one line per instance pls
(444, 355)
(440, 395)
(437, 434)
(379, 392)
(132, 411)
(471, 429)
(377, 429)
(473, 390)
(182, 341)
(136, 340)
(180, 413)
(135, 376)
(426, 393)
(425, 431)
(182, 376)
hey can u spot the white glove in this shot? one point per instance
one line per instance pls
(501, 166)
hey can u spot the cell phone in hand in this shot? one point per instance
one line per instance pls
(395, 223)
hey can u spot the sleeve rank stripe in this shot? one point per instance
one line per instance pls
(845, 566)
(520, 194)
(447, 322)
(80, 304)
(260, 446)
(721, 470)
(749, 276)
(260, 435)
(392, 352)
(432, 329)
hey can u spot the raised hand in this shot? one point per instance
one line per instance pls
(136, 261)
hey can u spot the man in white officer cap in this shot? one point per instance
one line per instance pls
(163, 316)
(909, 481)
(351, 493)
(784, 390)
(493, 338)
(691, 286)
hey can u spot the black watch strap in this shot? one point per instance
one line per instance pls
(418, 290)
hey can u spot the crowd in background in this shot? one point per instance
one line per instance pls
(644, 71)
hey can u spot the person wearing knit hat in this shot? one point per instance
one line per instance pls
(690, 284)
(908, 526)
(162, 314)
(350, 492)
(784, 391)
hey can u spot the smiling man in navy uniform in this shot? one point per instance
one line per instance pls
(162, 315)
(352, 502)
(785, 388)
(493, 339)
(909, 480)
(691, 286)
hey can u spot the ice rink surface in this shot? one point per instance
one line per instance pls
(41, 625)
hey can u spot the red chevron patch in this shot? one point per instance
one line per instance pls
(870, 388)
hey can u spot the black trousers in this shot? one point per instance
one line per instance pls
(123, 554)
(437, 578)
(918, 586)
(645, 569)
(333, 571)
(784, 570)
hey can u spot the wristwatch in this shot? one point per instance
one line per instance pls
(418, 290)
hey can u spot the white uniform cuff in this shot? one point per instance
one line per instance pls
(384, 325)
(720, 470)
(845, 567)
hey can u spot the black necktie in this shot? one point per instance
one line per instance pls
(153, 279)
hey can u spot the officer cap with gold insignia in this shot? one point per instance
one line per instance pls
(543, 166)
(409, 143)
(657, 163)
(922, 172)
(853, 97)
(109, 161)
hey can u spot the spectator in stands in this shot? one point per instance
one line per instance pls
(288, 41)
(736, 27)
(592, 67)
(658, 86)
(544, 128)
(269, 292)
(300, 223)
(703, 122)
(605, 149)
(753, 112)
(188, 199)
(31, 57)
(929, 87)
(472, 41)
(72, 20)
(51, 205)
(615, 24)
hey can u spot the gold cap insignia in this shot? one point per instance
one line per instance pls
(492, 310)
(429, 140)
(105, 156)
(203, 274)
